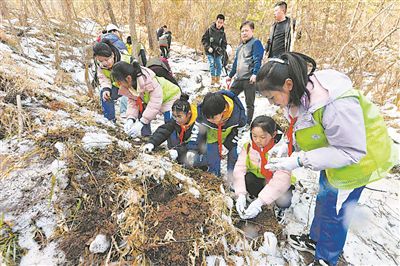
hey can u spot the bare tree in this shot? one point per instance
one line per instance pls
(132, 27)
(109, 9)
(148, 11)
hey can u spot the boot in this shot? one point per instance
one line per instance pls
(212, 80)
(217, 80)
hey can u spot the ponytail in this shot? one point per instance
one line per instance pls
(273, 74)
(122, 69)
(182, 104)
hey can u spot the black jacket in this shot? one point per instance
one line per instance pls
(216, 39)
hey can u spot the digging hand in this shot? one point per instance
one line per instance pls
(254, 209)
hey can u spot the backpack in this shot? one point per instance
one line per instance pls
(161, 69)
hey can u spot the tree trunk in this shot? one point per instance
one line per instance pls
(132, 27)
(109, 9)
(151, 32)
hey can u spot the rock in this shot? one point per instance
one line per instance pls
(100, 244)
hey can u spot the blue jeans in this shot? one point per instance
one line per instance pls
(146, 129)
(214, 159)
(108, 107)
(123, 104)
(330, 225)
(215, 65)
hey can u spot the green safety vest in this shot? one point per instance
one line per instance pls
(212, 134)
(381, 153)
(170, 90)
(107, 72)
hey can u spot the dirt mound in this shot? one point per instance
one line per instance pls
(179, 224)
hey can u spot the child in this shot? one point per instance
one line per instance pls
(147, 95)
(225, 117)
(339, 132)
(185, 136)
(251, 176)
(106, 55)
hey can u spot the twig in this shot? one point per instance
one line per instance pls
(387, 35)
(360, 30)
(20, 120)
(87, 166)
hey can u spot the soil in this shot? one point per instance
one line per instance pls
(184, 216)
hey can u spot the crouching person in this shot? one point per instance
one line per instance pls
(251, 177)
(185, 137)
(147, 94)
(224, 117)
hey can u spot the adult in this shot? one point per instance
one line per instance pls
(281, 31)
(339, 132)
(214, 42)
(161, 31)
(247, 63)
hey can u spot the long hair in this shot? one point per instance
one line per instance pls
(122, 69)
(274, 73)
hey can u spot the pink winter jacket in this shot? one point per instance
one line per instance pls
(278, 185)
(147, 83)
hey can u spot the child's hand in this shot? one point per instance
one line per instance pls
(148, 148)
(286, 163)
(254, 209)
(173, 154)
(190, 156)
(241, 204)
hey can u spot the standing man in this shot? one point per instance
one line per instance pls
(161, 31)
(214, 42)
(280, 36)
(246, 66)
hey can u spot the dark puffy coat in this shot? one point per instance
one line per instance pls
(216, 39)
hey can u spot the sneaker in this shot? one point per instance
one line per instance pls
(302, 242)
(279, 214)
(319, 262)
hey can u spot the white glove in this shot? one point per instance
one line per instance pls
(279, 150)
(253, 79)
(210, 50)
(190, 156)
(136, 129)
(253, 210)
(128, 124)
(285, 163)
(241, 204)
(173, 154)
(148, 148)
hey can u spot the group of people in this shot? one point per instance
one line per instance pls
(333, 128)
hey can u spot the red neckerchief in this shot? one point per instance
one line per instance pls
(265, 172)
(289, 134)
(220, 139)
(182, 133)
(139, 103)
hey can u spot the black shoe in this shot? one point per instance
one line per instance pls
(279, 214)
(319, 262)
(303, 243)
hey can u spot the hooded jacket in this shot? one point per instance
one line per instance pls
(216, 39)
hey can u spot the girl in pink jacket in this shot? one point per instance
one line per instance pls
(250, 175)
(148, 95)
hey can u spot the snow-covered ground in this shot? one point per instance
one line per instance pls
(373, 237)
